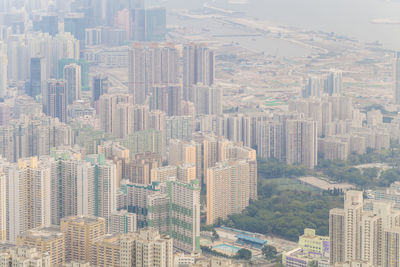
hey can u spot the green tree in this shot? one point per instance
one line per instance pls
(313, 263)
(269, 252)
(215, 234)
(244, 254)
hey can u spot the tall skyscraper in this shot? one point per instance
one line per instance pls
(3, 71)
(328, 83)
(184, 214)
(72, 75)
(396, 78)
(224, 181)
(5, 5)
(151, 65)
(3, 207)
(270, 140)
(371, 238)
(73, 185)
(47, 23)
(179, 127)
(391, 249)
(38, 77)
(167, 99)
(313, 87)
(28, 196)
(366, 230)
(137, 200)
(198, 67)
(138, 24)
(156, 24)
(86, 84)
(57, 100)
(76, 23)
(302, 142)
(353, 208)
(148, 25)
(333, 84)
(207, 100)
(99, 86)
(105, 180)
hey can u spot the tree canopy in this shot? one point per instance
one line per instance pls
(286, 213)
(269, 252)
(244, 254)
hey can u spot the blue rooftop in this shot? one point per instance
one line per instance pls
(251, 239)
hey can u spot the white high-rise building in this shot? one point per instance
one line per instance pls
(3, 70)
(72, 74)
(29, 195)
(371, 238)
(224, 182)
(313, 87)
(122, 222)
(146, 248)
(365, 231)
(353, 208)
(105, 181)
(3, 207)
(198, 67)
(21, 48)
(270, 139)
(207, 99)
(73, 184)
(150, 66)
(396, 78)
(333, 85)
(302, 142)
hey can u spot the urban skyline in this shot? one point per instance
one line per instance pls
(198, 133)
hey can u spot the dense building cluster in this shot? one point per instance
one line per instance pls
(120, 141)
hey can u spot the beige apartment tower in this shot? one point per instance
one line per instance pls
(353, 208)
(79, 234)
(106, 251)
(391, 249)
(46, 240)
(336, 235)
(3, 208)
(228, 189)
(146, 248)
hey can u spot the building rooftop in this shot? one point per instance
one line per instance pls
(45, 233)
(6, 246)
(83, 219)
(251, 239)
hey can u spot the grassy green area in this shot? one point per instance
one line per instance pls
(285, 206)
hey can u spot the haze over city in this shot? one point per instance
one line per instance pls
(199, 133)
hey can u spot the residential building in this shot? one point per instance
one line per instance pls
(79, 233)
(56, 106)
(12, 255)
(72, 76)
(122, 222)
(45, 240)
